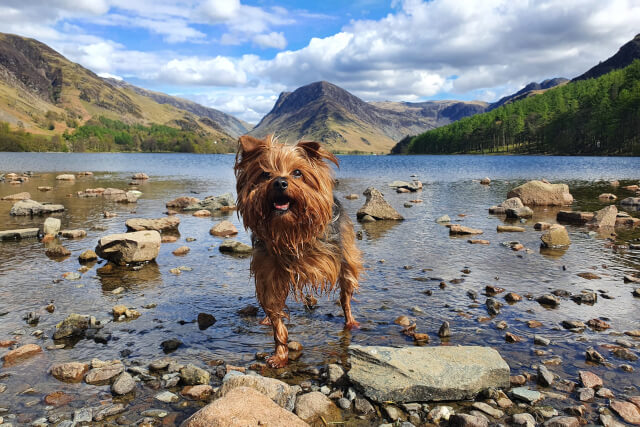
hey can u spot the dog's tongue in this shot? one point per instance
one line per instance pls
(281, 207)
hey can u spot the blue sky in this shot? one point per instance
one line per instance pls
(237, 56)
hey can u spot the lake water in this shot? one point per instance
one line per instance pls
(405, 265)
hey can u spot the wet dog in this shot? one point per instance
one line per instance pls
(303, 241)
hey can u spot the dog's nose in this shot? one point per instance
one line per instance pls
(281, 184)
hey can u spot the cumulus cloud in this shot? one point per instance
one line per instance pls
(219, 71)
(275, 40)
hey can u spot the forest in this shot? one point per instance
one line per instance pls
(102, 134)
(588, 117)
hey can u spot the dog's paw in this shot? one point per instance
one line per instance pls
(277, 361)
(352, 325)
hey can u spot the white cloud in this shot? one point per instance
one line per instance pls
(219, 71)
(221, 10)
(275, 40)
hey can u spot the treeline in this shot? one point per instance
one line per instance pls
(588, 117)
(104, 135)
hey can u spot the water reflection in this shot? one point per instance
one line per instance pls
(378, 229)
(112, 276)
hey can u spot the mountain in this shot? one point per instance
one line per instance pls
(42, 92)
(531, 89)
(624, 57)
(329, 114)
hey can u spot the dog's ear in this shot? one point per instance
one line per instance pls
(247, 144)
(314, 151)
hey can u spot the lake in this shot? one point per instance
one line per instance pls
(413, 268)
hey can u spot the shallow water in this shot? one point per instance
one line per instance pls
(403, 260)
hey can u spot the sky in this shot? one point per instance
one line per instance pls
(238, 55)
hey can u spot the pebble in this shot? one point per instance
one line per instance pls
(593, 356)
(525, 394)
(123, 384)
(585, 394)
(545, 377)
(154, 413)
(589, 379)
(538, 340)
(84, 415)
(167, 397)
(445, 330)
(488, 409)
(523, 419)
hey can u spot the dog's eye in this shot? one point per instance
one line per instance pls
(265, 175)
(297, 173)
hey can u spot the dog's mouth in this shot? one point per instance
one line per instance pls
(281, 204)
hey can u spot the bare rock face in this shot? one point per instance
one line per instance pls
(417, 374)
(243, 406)
(377, 207)
(538, 193)
(169, 223)
(126, 248)
(605, 217)
(556, 236)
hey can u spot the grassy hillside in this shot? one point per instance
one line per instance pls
(587, 117)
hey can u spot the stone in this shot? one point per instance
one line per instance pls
(224, 202)
(57, 252)
(125, 248)
(562, 422)
(593, 356)
(182, 202)
(627, 411)
(72, 325)
(168, 223)
(625, 354)
(104, 373)
(243, 406)
(83, 415)
(335, 374)
(556, 236)
(598, 325)
(392, 412)
(440, 413)
(538, 193)
(523, 212)
(588, 297)
(478, 242)
(573, 324)
(523, 419)
(467, 420)
(166, 397)
(605, 393)
(198, 392)
(123, 384)
(485, 181)
(363, 406)
(609, 421)
(51, 226)
(58, 398)
(509, 229)
(607, 196)
(542, 226)
(22, 233)
(315, 406)
(73, 234)
(456, 229)
(605, 217)
(109, 411)
(526, 395)
(170, 345)
(140, 176)
(571, 217)
(445, 330)
(376, 207)
(545, 377)
(512, 338)
(19, 196)
(235, 247)
(182, 250)
(45, 188)
(33, 208)
(223, 229)
(88, 256)
(426, 373)
(71, 372)
(192, 375)
(279, 392)
(66, 177)
(631, 201)
(538, 340)
(512, 297)
(488, 409)
(21, 353)
(443, 219)
(205, 321)
(352, 196)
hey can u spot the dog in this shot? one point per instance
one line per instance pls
(303, 241)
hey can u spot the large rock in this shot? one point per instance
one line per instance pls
(128, 248)
(243, 406)
(31, 207)
(168, 223)
(556, 236)
(19, 196)
(51, 226)
(538, 193)
(214, 203)
(417, 374)
(72, 372)
(604, 218)
(315, 407)
(182, 202)
(22, 233)
(377, 207)
(281, 393)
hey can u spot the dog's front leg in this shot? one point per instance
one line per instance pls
(272, 295)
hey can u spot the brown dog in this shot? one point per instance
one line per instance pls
(302, 238)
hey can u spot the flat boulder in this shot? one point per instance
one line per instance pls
(419, 374)
(72, 372)
(19, 196)
(538, 193)
(243, 406)
(168, 223)
(73, 234)
(21, 233)
(377, 207)
(224, 202)
(125, 248)
(31, 207)
(140, 175)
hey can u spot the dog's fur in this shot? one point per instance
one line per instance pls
(303, 241)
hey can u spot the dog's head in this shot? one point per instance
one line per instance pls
(285, 192)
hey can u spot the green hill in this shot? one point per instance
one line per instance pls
(587, 117)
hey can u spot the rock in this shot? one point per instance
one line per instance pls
(538, 340)
(598, 325)
(485, 181)
(605, 393)
(45, 188)
(509, 229)
(590, 298)
(73, 234)
(140, 175)
(444, 331)
(512, 338)
(512, 297)
(352, 196)
(71, 372)
(456, 229)
(192, 375)
(574, 217)
(443, 219)
(625, 354)
(376, 207)
(235, 247)
(556, 236)
(123, 384)
(19, 196)
(125, 248)
(168, 223)
(512, 203)
(243, 406)
(104, 373)
(58, 398)
(22, 233)
(493, 306)
(205, 321)
(538, 193)
(202, 213)
(589, 275)
(88, 256)
(314, 406)
(523, 212)
(182, 250)
(488, 409)
(109, 411)
(607, 196)
(279, 392)
(413, 186)
(167, 397)
(57, 252)
(66, 177)
(573, 324)
(631, 279)
(170, 345)
(631, 201)
(523, 419)
(467, 420)
(51, 226)
(562, 422)
(542, 226)
(545, 377)
(335, 374)
(16, 355)
(182, 202)
(627, 221)
(72, 325)
(426, 373)
(198, 392)
(605, 217)
(627, 411)
(223, 229)
(609, 421)
(478, 242)
(526, 395)
(593, 356)
(633, 333)
(33, 208)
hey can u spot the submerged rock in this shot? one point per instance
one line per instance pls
(377, 207)
(72, 372)
(31, 207)
(19, 196)
(538, 193)
(125, 248)
(426, 373)
(23, 352)
(182, 202)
